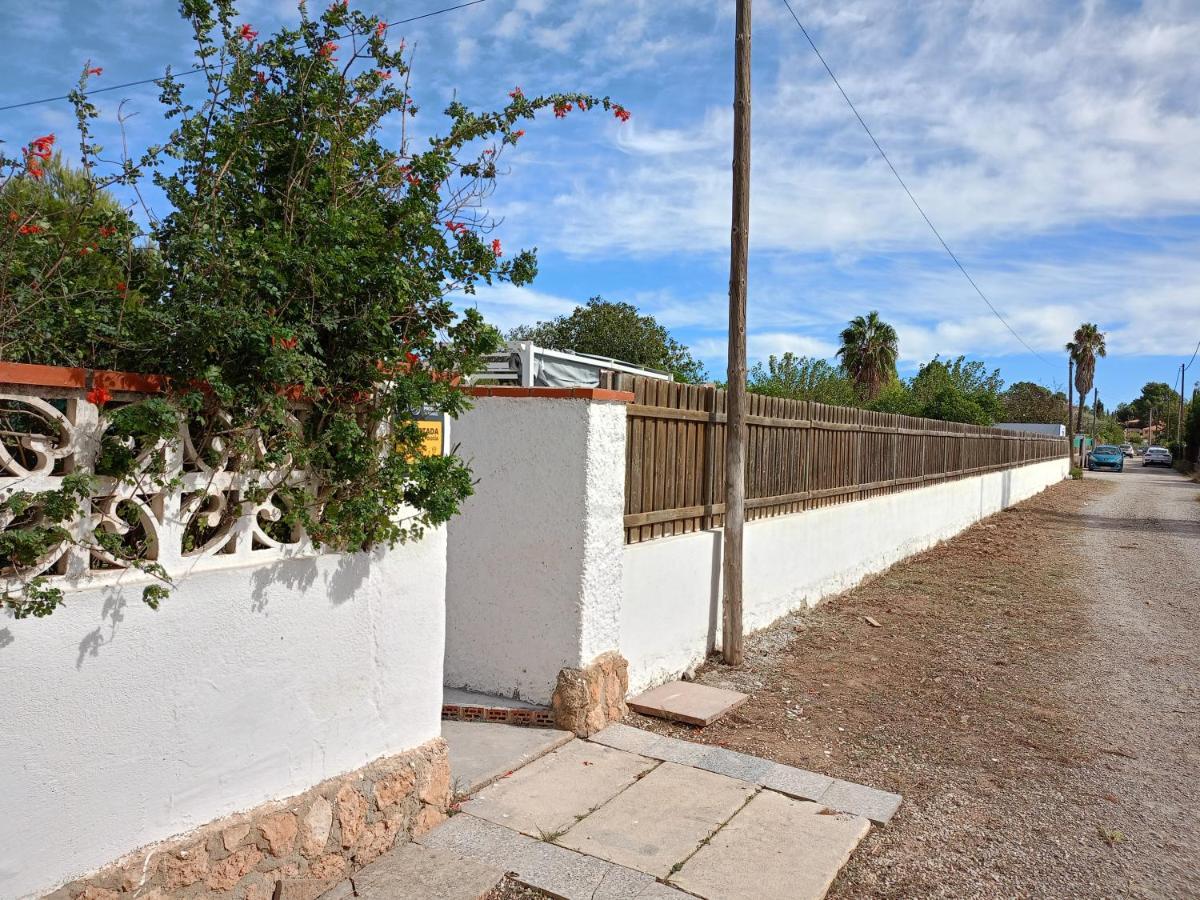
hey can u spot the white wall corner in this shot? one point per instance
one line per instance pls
(602, 588)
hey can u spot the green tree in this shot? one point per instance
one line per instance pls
(1192, 430)
(1087, 345)
(1025, 401)
(1157, 398)
(868, 352)
(803, 378)
(960, 390)
(616, 330)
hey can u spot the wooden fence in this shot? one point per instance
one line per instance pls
(799, 455)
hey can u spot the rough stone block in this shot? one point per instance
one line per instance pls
(587, 699)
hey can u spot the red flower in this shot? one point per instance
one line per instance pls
(561, 110)
(583, 107)
(12, 217)
(456, 227)
(42, 147)
(95, 70)
(261, 76)
(30, 229)
(516, 93)
(35, 170)
(384, 74)
(107, 231)
(496, 248)
(326, 51)
(621, 113)
(247, 33)
(519, 133)
(380, 29)
(122, 287)
(98, 396)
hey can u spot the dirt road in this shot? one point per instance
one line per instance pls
(1034, 692)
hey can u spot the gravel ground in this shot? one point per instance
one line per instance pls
(1032, 691)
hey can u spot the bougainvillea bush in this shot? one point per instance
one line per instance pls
(297, 293)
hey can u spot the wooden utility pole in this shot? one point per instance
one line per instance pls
(1095, 414)
(1182, 386)
(735, 412)
(1071, 409)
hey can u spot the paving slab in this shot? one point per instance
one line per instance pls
(775, 848)
(734, 764)
(660, 820)
(776, 776)
(687, 701)
(795, 782)
(876, 805)
(414, 872)
(551, 794)
(543, 865)
(655, 746)
(481, 752)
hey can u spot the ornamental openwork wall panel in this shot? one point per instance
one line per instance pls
(799, 455)
(188, 506)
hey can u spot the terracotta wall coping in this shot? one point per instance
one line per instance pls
(82, 379)
(132, 382)
(551, 393)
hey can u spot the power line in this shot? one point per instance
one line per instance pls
(924, 216)
(1193, 359)
(186, 72)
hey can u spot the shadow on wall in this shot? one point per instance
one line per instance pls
(292, 577)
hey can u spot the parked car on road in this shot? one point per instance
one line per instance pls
(1106, 456)
(1127, 449)
(1158, 456)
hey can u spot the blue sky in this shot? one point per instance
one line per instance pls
(1055, 144)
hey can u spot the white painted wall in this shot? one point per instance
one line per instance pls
(671, 609)
(534, 558)
(122, 726)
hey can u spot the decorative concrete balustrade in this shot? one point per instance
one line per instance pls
(188, 507)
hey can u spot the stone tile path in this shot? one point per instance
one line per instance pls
(630, 815)
(842, 796)
(481, 753)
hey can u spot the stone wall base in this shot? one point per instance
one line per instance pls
(299, 847)
(587, 699)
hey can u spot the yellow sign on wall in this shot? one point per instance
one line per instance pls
(434, 437)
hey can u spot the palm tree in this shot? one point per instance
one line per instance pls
(868, 353)
(1086, 346)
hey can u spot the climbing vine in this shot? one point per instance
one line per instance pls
(297, 295)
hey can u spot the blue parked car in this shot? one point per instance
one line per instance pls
(1107, 456)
